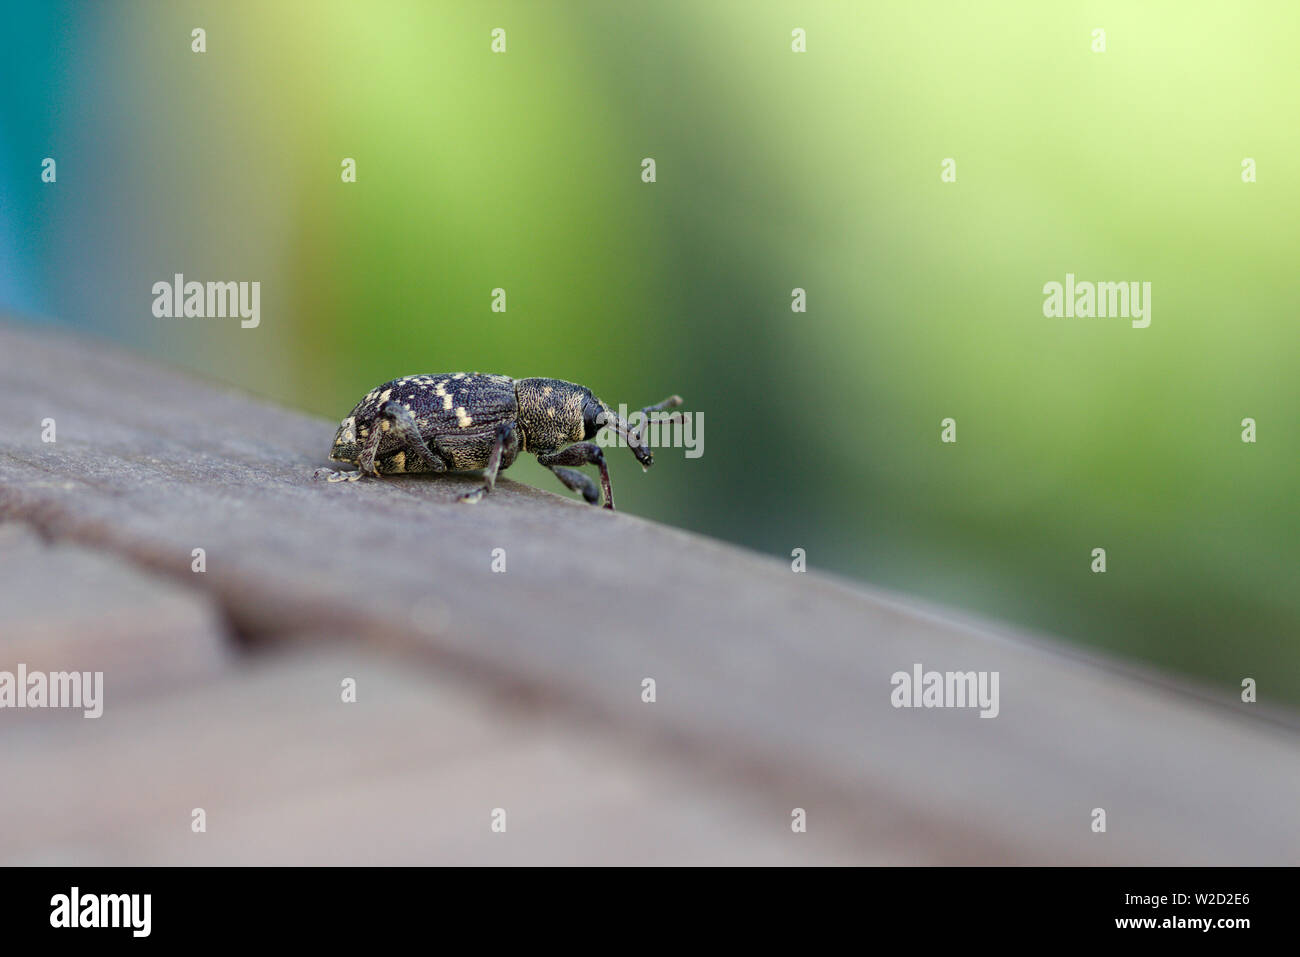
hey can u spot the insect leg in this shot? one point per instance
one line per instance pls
(333, 476)
(582, 453)
(578, 482)
(402, 424)
(494, 463)
(366, 461)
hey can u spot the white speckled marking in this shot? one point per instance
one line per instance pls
(349, 433)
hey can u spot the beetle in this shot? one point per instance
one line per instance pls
(465, 421)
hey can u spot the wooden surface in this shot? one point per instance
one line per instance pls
(522, 690)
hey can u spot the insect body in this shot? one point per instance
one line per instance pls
(464, 421)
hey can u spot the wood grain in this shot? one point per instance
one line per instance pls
(770, 684)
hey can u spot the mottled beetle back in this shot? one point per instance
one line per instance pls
(458, 412)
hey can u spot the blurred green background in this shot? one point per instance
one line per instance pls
(775, 170)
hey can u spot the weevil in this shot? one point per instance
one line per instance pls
(466, 421)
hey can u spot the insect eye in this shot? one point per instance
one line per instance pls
(594, 417)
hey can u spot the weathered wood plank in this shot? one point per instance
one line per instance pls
(764, 676)
(67, 608)
(409, 774)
